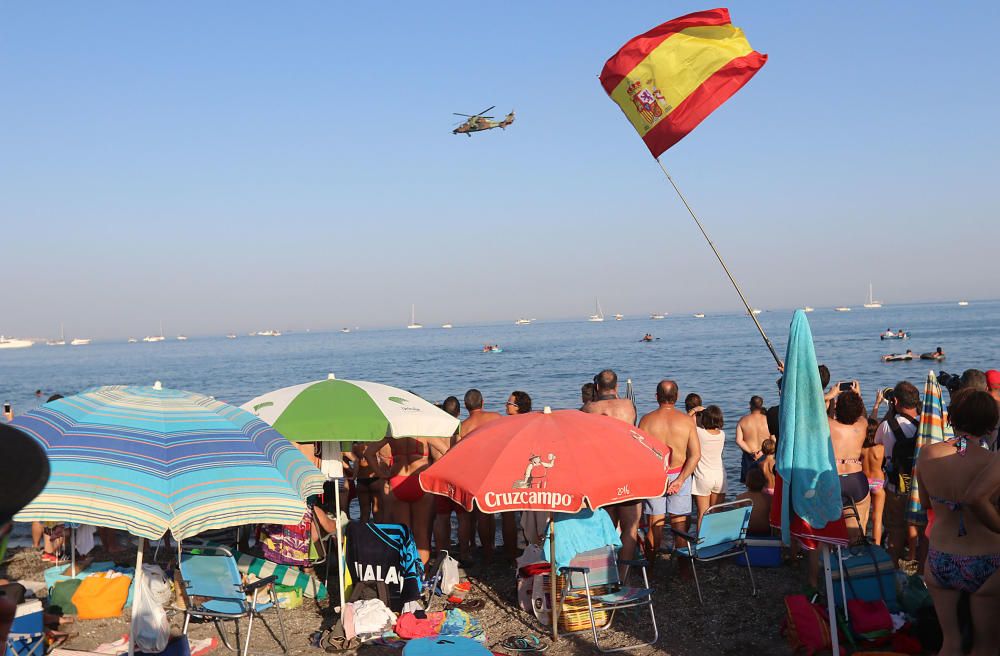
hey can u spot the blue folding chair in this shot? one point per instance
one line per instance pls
(213, 589)
(722, 534)
(27, 634)
(598, 568)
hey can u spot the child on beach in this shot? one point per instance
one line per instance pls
(760, 515)
(766, 464)
(872, 455)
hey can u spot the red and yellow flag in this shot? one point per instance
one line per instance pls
(673, 76)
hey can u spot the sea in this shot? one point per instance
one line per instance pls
(721, 357)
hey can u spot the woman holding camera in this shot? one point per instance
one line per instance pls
(964, 553)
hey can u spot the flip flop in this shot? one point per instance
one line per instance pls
(521, 644)
(468, 605)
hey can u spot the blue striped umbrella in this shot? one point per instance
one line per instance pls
(934, 427)
(147, 460)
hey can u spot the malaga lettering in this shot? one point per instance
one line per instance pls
(528, 497)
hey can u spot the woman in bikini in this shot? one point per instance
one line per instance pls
(848, 428)
(873, 454)
(407, 502)
(368, 485)
(964, 554)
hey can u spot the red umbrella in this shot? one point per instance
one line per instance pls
(552, 462)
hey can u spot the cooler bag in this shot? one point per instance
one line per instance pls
(763, 552)
(872, 576)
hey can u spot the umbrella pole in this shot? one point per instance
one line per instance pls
(736, 285)
(72, 551)
(830, 607)
(340, 551)
(137, 582)
(553, 579)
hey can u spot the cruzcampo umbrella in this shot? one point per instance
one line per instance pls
(349, 411)
(807, 498)
(550, 461)
(933, 428)
(147, 460)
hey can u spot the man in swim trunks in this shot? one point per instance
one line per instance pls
(751, 431)
(678, 431)
(485, 522)
(606, 402)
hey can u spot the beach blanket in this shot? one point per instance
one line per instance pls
(579, 532)
(805, 460)
(311, 586)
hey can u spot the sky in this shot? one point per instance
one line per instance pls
(235, 166)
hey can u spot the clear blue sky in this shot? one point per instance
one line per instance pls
(240, 165)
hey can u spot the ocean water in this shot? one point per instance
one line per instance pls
(721, 357)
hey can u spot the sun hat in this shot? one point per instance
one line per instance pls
(993, 379)
(24, 471)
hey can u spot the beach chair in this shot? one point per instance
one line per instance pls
(722, 534)
(591, 582)
(213, 589)
(27, 633)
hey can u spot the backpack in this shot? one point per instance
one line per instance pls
(900, 463)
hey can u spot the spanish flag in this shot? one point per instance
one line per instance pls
(673, 76)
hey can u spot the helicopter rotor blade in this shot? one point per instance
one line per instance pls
(465, 115)
(486, 110)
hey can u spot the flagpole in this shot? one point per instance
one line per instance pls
(736, 285)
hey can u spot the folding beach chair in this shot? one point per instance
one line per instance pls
(27, 633)
(722, 534)
(591, 582)
(213, 589)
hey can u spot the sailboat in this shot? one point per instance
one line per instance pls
(155, 338)
(413, 318)
(599, 316)
(872, 303)
(62, 338)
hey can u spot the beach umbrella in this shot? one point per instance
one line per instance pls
(933, 428)
(549, 461)
(349, 411)
(147, 460)
(807, 497)
(334, 410)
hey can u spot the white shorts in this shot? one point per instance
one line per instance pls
(713, 482)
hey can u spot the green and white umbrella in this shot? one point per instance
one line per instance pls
(349, 411)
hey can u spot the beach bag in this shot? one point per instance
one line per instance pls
(870, 620)
(102, 596)
(806, 626)
(61, 595)
(150, 625)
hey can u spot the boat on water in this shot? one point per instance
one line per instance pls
(492, 348)
(523, 322)
(901, 334)
(13, 343)
(842, 308)
(182, 338)
(230, 335)
(132, 340)
(619, 317)
(963, 303)
(446, 325)
(62, 338)
(269, 333)
(345, 330)
(155, 338)
(657, 317)
(756, 311)
(413, 318)
(871, 303)
(807, 309)
(80, 341)
(699, 315)
(599, 313)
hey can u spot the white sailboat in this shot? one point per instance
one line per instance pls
(155, 338)
(619, 317)
(872, 303)
(62, 338)
(413, 318)
(599, 316)
(13, 343)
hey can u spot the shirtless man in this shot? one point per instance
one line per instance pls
(677, 430)
(606, 402)
(486, 524)
(751, 431)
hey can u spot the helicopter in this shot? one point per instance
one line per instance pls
(479, 122)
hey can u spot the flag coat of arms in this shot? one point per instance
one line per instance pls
(669, 79)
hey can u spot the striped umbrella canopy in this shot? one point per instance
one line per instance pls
(933, 428)
(147, 460)
(349, 411)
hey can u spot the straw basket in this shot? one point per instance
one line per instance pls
(573, 615)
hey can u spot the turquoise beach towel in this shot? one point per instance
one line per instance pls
(579, 532)
(810, 485)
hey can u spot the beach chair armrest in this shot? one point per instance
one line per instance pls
(684, 534)
(582, 570)
(260, 583)
(638, 562)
